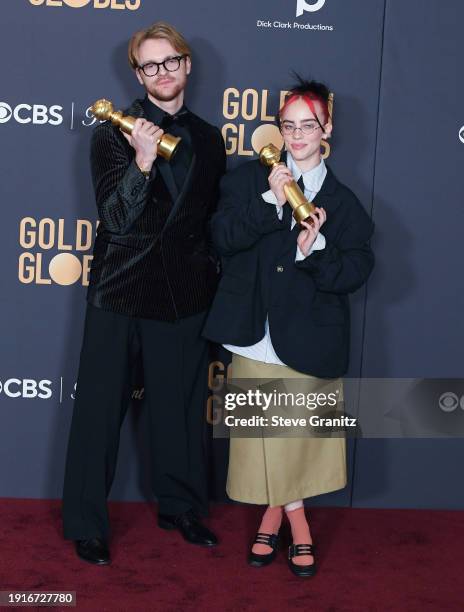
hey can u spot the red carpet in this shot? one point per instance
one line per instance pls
(369, 560)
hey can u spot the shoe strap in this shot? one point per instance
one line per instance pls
(270, 539)
(298, 550)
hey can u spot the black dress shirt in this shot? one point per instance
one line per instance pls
(177, 125)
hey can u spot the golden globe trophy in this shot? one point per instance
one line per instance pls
(104, 110)
(270, 157)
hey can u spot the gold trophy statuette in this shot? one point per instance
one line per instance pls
(270, 156)
(104, 110)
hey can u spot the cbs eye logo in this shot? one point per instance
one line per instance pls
(461, 134)
(303, 6)
(31, 113)
(448, 402)
(5, 112)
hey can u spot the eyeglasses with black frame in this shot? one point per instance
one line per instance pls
(170, 64)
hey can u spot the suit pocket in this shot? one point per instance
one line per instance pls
(233, 284)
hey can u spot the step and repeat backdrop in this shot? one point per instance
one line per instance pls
(398, 142)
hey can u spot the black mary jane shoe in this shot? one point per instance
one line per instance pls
(93, 550)
(270, 539)
(298, 550)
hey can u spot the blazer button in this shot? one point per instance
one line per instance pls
(280, 268)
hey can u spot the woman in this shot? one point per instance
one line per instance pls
(282, 310)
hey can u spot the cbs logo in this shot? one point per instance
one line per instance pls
(449, 401)
(311, 7)
(28, 388)
(132, 5)
(39, 114)
(461, 134)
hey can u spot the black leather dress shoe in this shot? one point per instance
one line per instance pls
(270, 539)
(93, 550)
(189, 526)
(297, 550)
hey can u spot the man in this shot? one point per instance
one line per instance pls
(152, 280)
(282, 309)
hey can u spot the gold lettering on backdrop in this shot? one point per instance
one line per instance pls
(214, 410)
(117, 5)
(76, 3)
(264, 115)
(230, 105)
(217, 375)
(61, 246)
(65, 269)
(46, 234)
(250, 111)
(86, 262)
(26, 270)
(57, 251)
(39, 279)
(83, 232)
(26, 233)
(131, 5)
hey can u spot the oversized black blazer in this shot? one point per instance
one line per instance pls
(152, 255)
(306, 301)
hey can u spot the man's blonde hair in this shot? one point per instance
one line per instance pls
(160, 29)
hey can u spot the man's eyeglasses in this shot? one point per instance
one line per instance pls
(307, 128)
(170, 64)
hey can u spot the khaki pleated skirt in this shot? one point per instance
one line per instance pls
(280, 470)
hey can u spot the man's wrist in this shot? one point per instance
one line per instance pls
(144, 166)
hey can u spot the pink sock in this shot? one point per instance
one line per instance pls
(270, 523)
(300, 534)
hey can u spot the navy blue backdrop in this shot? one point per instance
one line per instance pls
(398, 143)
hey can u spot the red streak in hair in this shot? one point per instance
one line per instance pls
(309, 99)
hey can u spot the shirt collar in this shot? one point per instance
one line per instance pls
(313, 178)
(155, 114)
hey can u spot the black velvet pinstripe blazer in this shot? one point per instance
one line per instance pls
(152, 255)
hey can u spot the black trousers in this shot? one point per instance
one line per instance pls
(175, 363)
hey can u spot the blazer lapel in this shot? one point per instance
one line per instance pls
(164, 169)
(326, 197)
(197, 145)
(181, 196)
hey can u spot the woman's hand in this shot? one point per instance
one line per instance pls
(308, 235)
(279, 176)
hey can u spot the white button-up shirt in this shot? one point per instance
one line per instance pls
(313, 179)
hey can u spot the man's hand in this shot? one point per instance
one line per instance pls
(143, 139)
(308, 235)
(280, 175)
